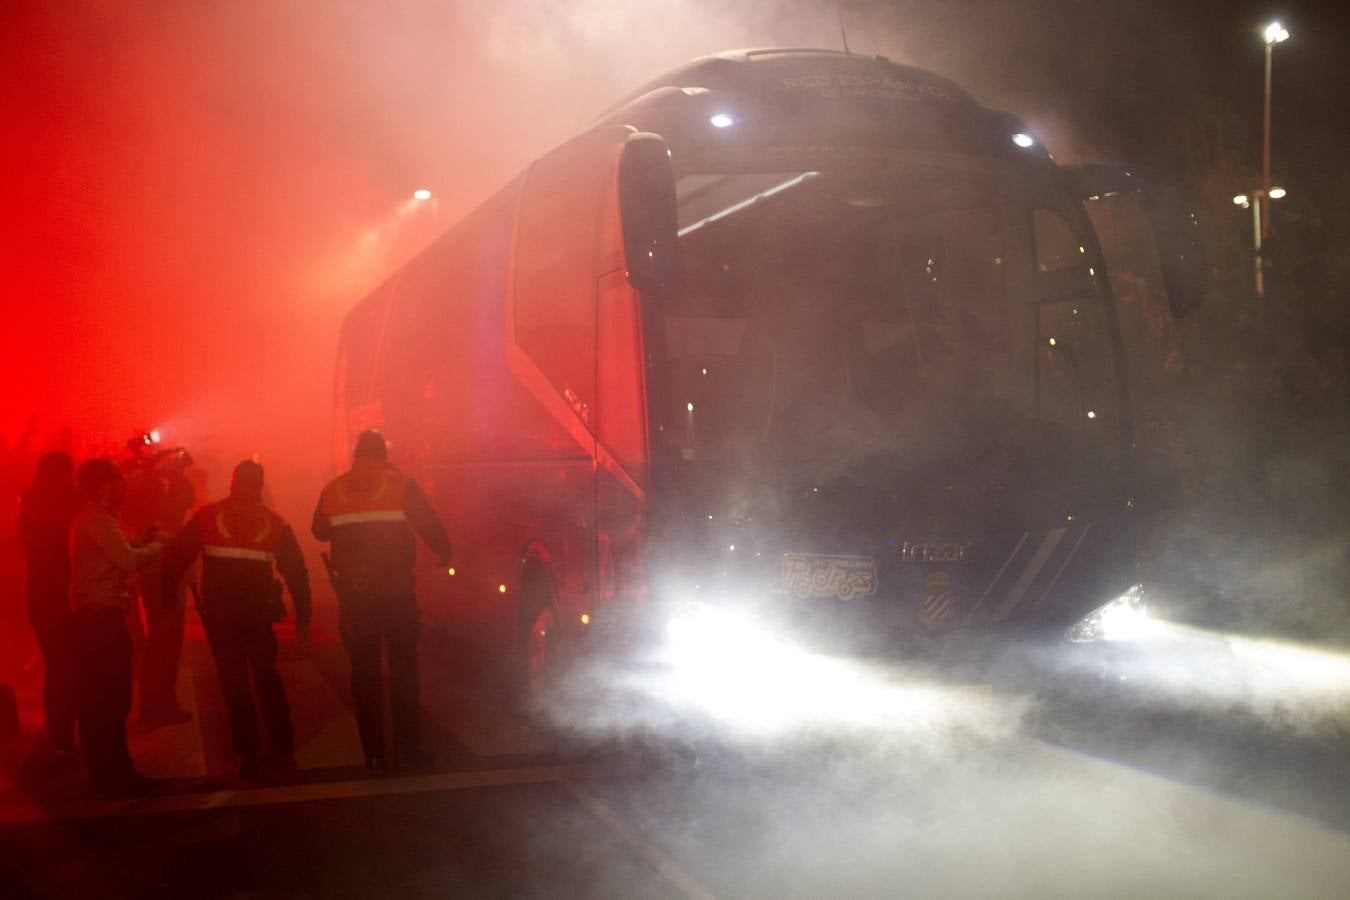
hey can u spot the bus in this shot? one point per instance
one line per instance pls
(803, 333)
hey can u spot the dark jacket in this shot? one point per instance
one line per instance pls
(370, 514)
(46, 513)
(239, 541)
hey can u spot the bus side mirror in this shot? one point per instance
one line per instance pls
(1171, 215)
(647, 214)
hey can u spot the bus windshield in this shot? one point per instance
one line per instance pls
(823, 313)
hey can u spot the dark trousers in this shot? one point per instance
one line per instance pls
(245, 650)
(368, 618)
(163, 646)
(53, 628)
(103, 692)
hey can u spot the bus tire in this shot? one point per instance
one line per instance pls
(540, 638)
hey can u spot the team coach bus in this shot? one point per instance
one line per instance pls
(807, 332)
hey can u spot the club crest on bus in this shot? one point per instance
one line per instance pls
(938, 604)
(809, 575)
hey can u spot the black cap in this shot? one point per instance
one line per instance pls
(94, 474)
(370, 445)
(247, 480)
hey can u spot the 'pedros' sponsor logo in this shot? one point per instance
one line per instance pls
(810, 575)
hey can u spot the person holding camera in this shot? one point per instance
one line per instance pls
(240, 540)
(158, 495)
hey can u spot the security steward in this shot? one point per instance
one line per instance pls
(239, 539)
(370, 515)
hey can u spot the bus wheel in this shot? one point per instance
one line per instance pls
(540, 641)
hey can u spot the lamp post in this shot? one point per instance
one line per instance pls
(1275, 33)
(1260, 212)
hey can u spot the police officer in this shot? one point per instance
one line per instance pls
(100, 561)
(370, 515)
(239, 539)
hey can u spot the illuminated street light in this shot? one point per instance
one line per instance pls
(1023, 140)
(421, 194)
(1259, 212)
(722, 120)
(1276, 33)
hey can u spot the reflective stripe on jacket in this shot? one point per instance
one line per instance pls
(370, 515)
(239, 539)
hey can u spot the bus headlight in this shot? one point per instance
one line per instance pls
(1123, 619)
(704, 636)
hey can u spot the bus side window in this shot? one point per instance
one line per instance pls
(555, 287)
(361, 337)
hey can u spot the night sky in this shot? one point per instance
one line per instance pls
(195, 193)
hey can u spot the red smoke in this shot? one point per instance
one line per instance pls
(196, 193)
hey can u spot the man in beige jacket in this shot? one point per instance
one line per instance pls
(101, 558)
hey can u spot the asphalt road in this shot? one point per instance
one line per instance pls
(917, 792)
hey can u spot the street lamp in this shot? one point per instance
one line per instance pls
(1275, 33)
(1254, 203)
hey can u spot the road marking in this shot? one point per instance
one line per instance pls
(485, 727)
(308, 793)
(630, 835)
(173, 751)
(325, 729)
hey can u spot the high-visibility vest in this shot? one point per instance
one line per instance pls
(372, 491)
(240, 529)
